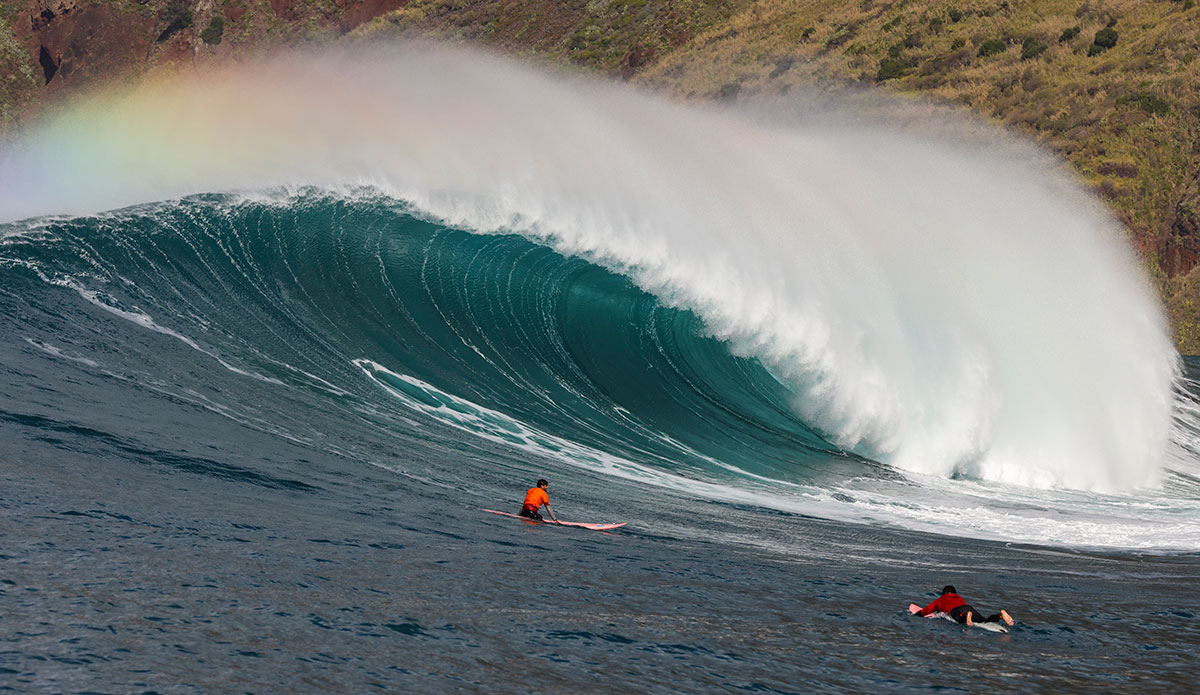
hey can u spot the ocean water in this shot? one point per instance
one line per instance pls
(263, 367)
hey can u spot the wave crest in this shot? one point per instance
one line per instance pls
(950, 305)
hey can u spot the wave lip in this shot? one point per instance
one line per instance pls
(948, 304)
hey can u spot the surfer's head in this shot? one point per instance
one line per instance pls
(949, 589)
(543, 483)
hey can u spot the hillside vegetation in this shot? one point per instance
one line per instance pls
(1113, 86)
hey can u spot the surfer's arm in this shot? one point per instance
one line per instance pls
(550, 511)
(930, 608)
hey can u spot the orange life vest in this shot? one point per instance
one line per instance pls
(535, 498)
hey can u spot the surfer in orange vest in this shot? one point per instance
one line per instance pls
(535, 499)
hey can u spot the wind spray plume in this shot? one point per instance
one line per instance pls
(950, 305)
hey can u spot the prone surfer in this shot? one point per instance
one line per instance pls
(950, 602)
(536, 498)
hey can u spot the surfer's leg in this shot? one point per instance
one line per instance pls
(961, 613)
(1001, 617)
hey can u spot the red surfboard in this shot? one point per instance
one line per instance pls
(594, 527)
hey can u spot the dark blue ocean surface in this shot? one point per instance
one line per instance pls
(245, 445)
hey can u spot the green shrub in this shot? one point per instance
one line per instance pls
(957, 43)
(782, 65)
(178, 17)
(1150, 103)
(216, 29)
(955, 14)
(891, 68)
(991, 47)
(1068, 34)
(841, 35)
(1105, 39)
(1032, 48)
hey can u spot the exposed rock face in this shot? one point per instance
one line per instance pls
(1182, 251)
(637, 57)
(358, 12)
(75, 43)
(284, 9)
(42, 20)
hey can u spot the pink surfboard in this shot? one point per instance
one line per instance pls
(594, 527)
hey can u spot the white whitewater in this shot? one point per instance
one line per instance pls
(950, 304)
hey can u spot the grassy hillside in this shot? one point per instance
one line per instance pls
(619, 37)
(1111, 85)
(18, 85)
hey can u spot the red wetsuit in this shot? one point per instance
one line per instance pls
(944, 604)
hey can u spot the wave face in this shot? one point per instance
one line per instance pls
(490, 334)
(347, 323)
(716, 301)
